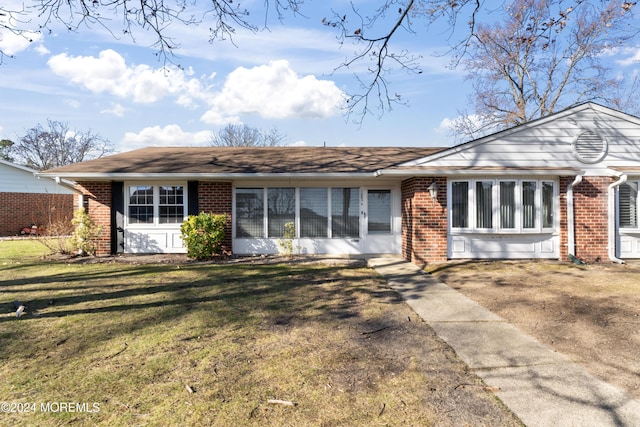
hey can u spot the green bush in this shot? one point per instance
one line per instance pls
(203, 234)
(85, 234)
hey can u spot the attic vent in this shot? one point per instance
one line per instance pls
(589, 147)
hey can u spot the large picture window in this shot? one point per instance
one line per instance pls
(317, 212)
(156, 204)
(495, 205)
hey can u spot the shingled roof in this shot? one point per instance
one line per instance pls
(195, 161)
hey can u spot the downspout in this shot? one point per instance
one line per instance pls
(571, 238)
(612, 219)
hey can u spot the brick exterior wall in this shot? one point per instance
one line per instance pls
(19, 210)
(97, 200)
(424, 221)
(591, 212)
(217, 198)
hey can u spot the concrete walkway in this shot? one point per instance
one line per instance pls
(542, 387)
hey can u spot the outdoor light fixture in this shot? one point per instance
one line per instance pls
(433, 190)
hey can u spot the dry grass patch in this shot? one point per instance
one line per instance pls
(211, 344)
(590, 313)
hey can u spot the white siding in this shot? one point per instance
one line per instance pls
(549, 143)
(17, 179)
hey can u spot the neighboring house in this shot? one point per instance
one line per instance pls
(26, 199)
(560, 185)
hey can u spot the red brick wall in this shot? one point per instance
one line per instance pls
(217, 198)
(424, 221)
(98, 197)
(19, 210)
(591, 213)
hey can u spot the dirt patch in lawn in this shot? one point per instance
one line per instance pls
(590, 313)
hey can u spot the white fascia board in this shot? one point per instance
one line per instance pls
(407, 173)
(220, 176)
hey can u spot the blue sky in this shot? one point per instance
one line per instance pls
(282, 78)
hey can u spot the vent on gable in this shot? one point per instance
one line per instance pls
(589, 147)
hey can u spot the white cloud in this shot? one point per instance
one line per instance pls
(632, 58)
(108, 73)
(168, 136)
(12, 43)
(274, 91)
(116, 109)
(72, 103)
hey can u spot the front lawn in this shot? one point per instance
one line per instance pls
(119, 344)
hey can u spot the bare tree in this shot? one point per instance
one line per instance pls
(5, 150)
(58, 145)
(246, 136)
(542, 58)
(371, 27)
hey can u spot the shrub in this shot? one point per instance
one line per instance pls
(202, 234)
(286, 243)
(85, 234)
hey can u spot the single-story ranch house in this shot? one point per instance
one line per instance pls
(560, 186)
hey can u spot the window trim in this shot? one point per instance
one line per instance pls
(496, 219)
(156, 204)
(625, 230)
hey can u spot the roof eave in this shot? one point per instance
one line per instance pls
(407, 173)
(78, 176)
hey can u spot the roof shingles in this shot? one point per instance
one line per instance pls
(246, 160)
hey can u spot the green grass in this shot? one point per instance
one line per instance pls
(210, 344)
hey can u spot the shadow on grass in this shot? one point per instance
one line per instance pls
(143, 295)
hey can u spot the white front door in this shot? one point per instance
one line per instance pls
(381, 230)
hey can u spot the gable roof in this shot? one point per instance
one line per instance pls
(241, 161)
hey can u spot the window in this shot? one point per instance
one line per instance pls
(249, 212)
(321, 212)
(171, 206)
(282, 209)
(141, 204)
(547, 204)
(156, 204)
(314, 212)
(379, 211)
(529, 204)
(628, 205)
(460, 204)
(345, 212)
(493, 205)
(484, 204)
(507, 204)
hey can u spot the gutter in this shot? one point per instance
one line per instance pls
(612, 218)
(571, 238)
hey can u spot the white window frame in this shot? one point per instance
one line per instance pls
(635, 229)
(156, 204)
(495, 194)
